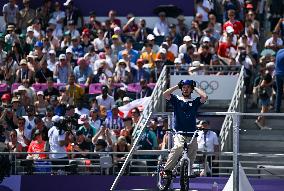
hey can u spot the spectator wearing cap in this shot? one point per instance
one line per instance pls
(83, 72)
(275, 42)
(86, 128)
(11, 13)
(17, 108)
(151, 40)
(176, 38)
(113, 20)
(122, 72)
(142, 32)
(76, 48)
(5, 98)
(26, 95)
(23, 72)
(62, 70)
(227, 50)
(113, 121)
(182, 28)
(165, 55)
(116, 45)
(161, 27)
(74, 90)
(11, 37)
(39, 46)
(237, 25)
(51, 60)
(178, 69)
(37, 145)
(141, 72)
(148, 55)
(105, 99)
(40, 126)
(81, 145)
(134, 54)
(54, 41)
(187, 41)
(27, 14)
(43, 73)
(95, 120)
(30, 39)
(40, 104)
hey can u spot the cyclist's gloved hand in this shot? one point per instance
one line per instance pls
(193, 84)
(180, 84)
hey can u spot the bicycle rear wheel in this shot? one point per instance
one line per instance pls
(163, 183)
(184, 175)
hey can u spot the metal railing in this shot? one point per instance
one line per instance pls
(236, 105)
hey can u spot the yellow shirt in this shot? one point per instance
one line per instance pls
(75, 91)
(150, 57)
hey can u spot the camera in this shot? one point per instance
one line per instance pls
(64, 125)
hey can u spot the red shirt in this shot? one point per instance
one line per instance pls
(224, 49)
(237, 26)
(35, 147)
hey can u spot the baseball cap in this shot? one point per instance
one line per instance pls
(52, 51)
(187, 38)
(206, 39)
(126, 99)
(69, 50)
(229, 29)
(62, 57)
(39, 93)
(38, 44)
(15, 99)
(116, 29)
(23, 62)
(162, 50)
(114, 36)
(30, 29)
(177, 60)
(150, 37)
(5, 97)
(83, 118)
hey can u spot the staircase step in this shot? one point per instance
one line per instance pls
(275, 124)
(256, 131)
(260, 146)
(267, 137)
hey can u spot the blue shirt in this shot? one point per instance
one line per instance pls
(134, 55)
(185, 112)
(279, 63)
(82, 75)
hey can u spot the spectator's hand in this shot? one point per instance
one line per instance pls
(76, 148)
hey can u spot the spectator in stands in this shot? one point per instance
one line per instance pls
(23, 72)
(130, 28)
(47, 119)
(122, 73)
(51, 90)
(187, 41)
(142, 32)
(135, 116)
(72, 13)
(151, 40)
(166, 56)
(145, 90)
(19, 109)
(207, 141)
(87, 129)
(103, 134)
(161, 27)
(113, 121)
(120, 146)
(105, 99)
(117, 45)
(40, 104)
(57, 142)
(217, 27)
(39, 125)
(3, 54)
(134, 55)
(178, 69)
(93, 25)
(113, 20)
(13, 145)
(81, 108)
(175, 37)
(100, 42)
(171, 46)
(51, 60)
(11, 13)
(62, 70)
(11, 67)
(83, 72)
(279, 74)
(194, 33)
(27, 14)
(43, 73)
(265, 92)
(237, 25)
(23, 134)
(76, 48)
(37, 145)
(203, 8)
(81, 145)
(26, 95)
(95, 121)
(275, 42)
(140, 71)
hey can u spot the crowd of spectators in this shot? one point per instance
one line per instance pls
(54, 47)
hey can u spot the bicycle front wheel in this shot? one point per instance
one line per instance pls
(184, 175)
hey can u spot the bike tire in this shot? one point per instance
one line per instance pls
(163, 184)
(184, 175)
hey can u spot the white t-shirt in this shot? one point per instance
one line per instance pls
(54, 139)
(82, 111)
(174, 49)
(29, 125)
(269, 42)
(108, 102)
(203, 12)
(211, 141)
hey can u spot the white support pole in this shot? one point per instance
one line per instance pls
(236, 124)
